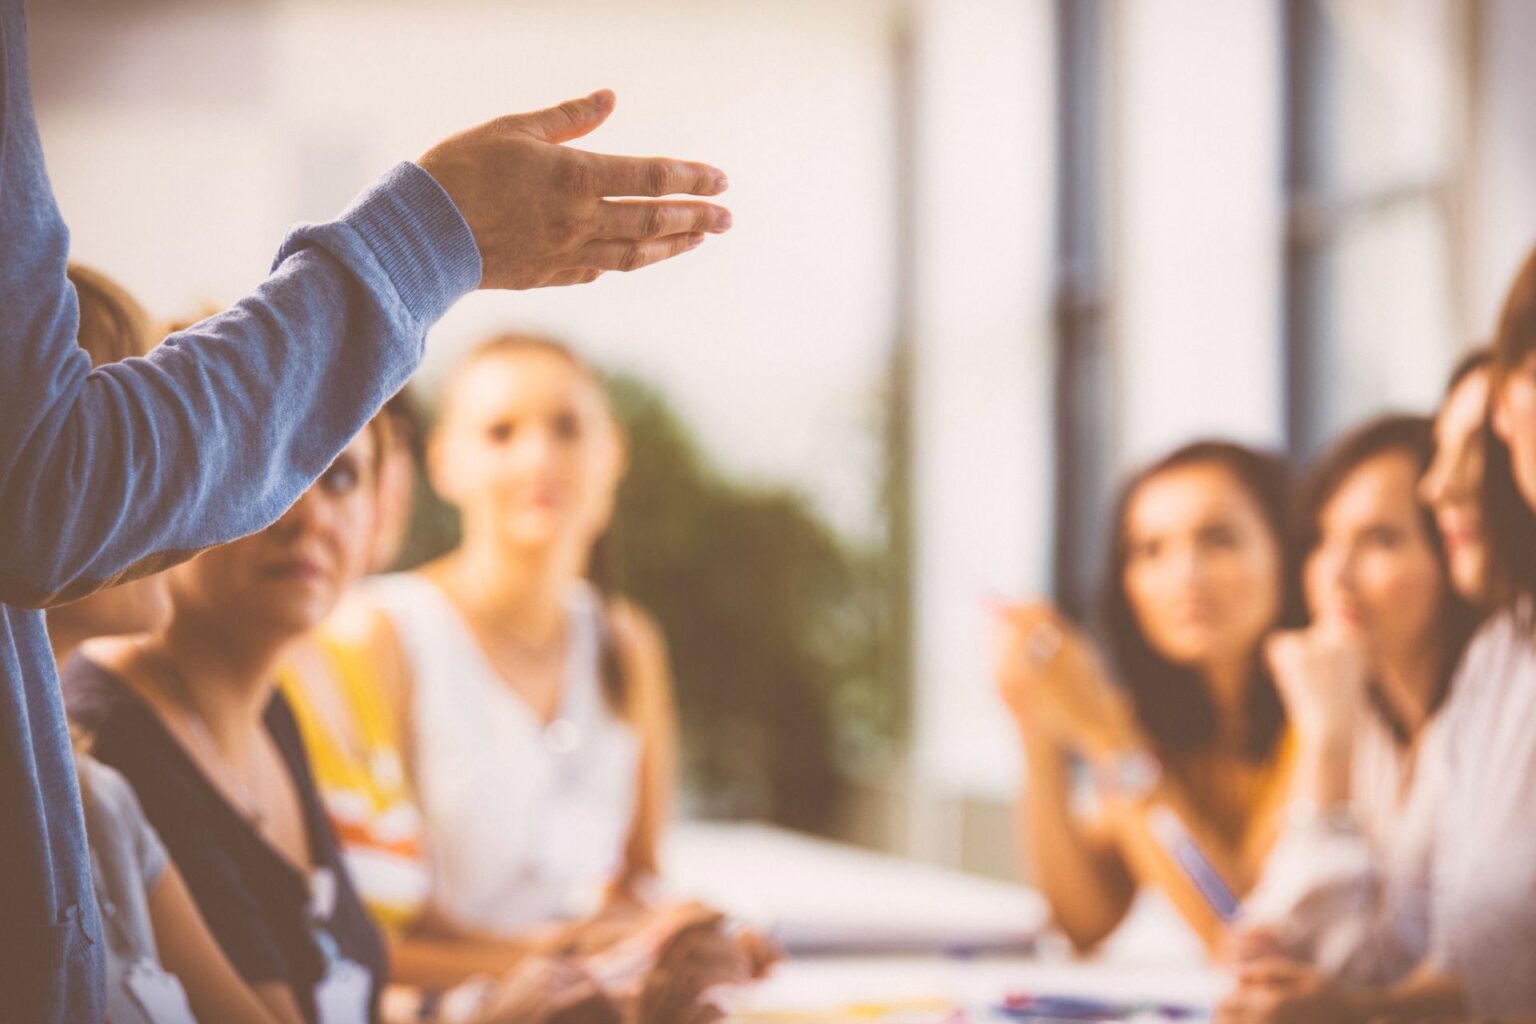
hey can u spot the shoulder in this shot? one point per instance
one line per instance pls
(365, 620)
(636, 631)
(369, 624)
(1494, 687)
(110, 797)
(1500, 658)
(643, 650)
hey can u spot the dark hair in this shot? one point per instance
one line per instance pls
(602, 568)
(1508, 521)
(1473, 360)
(1413, 436)
(1172, 702)
(407, 425)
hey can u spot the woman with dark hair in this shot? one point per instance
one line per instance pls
(1367, 687)
(1188, 751)
(1453, 485)
(1481, 904)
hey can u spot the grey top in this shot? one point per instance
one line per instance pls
(1483, 916)
(127, 860)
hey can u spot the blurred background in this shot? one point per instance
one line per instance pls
(989, 254)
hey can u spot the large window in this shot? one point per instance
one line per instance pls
(1377, 113)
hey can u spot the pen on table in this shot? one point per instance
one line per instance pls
(1041, 1009)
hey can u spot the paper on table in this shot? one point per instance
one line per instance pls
(819, 898)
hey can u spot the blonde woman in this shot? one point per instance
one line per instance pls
(537, 705)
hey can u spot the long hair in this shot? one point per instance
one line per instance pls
(113, 326)
(1509, 522)
(1171, 701)
(602, 569)
(1457, 618)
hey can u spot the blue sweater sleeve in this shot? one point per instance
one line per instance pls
(137, 465)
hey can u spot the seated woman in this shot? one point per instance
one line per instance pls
(1188, 752)
(520, 682)
(1481, 912)
(162, 965)
(351, 732)
(190, 716)
(1368, 689)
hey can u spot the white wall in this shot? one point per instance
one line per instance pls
(1198, 213)
(183, 139)
(984, 454)
(1503, 187)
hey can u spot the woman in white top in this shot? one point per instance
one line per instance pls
(1482, 915)
(537, 708)
(1367, 688)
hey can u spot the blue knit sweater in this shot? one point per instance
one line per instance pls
(135, 466)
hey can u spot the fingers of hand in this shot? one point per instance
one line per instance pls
(569, 120)
(1272, 970)
(641, 219)
(652, 176)
(616, 254)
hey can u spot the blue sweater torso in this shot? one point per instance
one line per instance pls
(123, 470)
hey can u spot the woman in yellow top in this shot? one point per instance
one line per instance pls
(346, 715)
(1188, 753)
(354, 748)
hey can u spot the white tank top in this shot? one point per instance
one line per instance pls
(526, 821)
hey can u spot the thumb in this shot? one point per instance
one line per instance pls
(571, 119)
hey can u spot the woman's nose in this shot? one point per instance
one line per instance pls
(1346, 572)
(308, 513)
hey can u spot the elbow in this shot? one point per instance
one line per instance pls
(1085, 936)
(1085, 927)
(30, 591)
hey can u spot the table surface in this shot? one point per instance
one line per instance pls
(779, 879)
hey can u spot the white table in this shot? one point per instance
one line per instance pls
(780, 879)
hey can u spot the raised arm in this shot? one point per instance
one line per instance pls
(124, 470)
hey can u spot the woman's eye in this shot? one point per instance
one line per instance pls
(499, 433)
(567, 427)
(1384, 536)
(340, 478)
(1222, 537)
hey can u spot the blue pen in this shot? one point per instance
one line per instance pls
(1071, 1008)
(1181, 846)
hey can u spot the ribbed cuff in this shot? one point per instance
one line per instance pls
(419, 238)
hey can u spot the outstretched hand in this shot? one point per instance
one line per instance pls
(1052, 680)
(543, 213)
